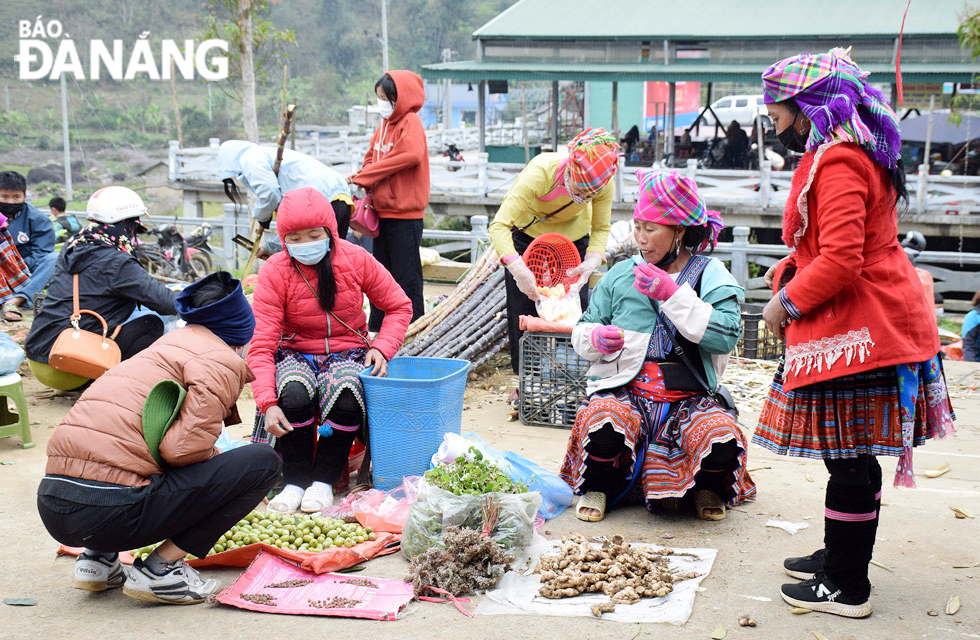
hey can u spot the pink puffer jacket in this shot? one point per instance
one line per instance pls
(287, 313)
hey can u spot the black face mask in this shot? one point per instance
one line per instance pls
(793, 139)
(11, 209)
(670, 257)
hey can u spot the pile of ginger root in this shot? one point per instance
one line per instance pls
(624, 573)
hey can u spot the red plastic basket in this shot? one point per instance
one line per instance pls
(549, 257)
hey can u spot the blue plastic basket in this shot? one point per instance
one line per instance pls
(408, 413)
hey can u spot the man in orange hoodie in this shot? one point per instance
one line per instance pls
(396, 171)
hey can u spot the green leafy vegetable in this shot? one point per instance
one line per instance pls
(472, 474)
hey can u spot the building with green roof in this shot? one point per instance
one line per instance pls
(633, 41)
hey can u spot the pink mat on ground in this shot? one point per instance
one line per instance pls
(382, 603)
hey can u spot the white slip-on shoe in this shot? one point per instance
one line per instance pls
(317, 496)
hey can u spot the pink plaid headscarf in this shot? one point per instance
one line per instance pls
(670, 198)
(593, 157)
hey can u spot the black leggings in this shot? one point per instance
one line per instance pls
(307, 459)
(852, 506)
(602, 473)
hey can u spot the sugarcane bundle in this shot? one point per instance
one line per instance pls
(483, 301)
(482, 269)
(471, 323)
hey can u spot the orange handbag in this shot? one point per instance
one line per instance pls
(82, 352)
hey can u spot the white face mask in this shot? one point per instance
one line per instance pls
(386, 108)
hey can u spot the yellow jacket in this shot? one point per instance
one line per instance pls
(522, 206)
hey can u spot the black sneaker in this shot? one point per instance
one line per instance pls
(806, 567)
(820, 594)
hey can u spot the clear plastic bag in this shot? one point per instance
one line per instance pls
(556, 495)
(565, 310)
(11, 354)
(386, 510)
(436, 509)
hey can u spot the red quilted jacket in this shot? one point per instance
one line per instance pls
(287, 312)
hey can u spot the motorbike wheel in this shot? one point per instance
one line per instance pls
(156, 262)
(200, 264)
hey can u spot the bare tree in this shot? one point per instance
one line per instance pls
(254, 46)
(250, 120)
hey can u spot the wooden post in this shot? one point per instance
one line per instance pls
(671, 108)
(923, 184)
(615, 110)
(481, 114)
(527, 148)
(173, 85)
(554, 115)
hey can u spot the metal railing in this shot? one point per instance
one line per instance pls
(742, 253)
(235, 219)
(482, 179)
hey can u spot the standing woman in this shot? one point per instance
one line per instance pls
(861, 376)
(396, 172)
(571, 195)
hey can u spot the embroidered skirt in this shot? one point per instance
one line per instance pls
(325, 377)
(884, 411)
(665, 443)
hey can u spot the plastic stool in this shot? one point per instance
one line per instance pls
(14, 424)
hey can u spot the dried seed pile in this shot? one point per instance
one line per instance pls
(334, 603)
(624, 573)
(288, 584)
(361, 582)
(259, 598)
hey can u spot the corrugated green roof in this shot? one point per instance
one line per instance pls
(473, 71)
(707, 19)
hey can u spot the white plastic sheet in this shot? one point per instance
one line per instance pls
(517, 593)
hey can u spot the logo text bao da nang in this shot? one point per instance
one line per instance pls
(38, 59)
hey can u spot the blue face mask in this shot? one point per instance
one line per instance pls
(309, 253)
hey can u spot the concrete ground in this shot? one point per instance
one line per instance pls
(919, 540)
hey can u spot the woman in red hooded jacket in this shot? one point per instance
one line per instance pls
(396, 171)
(310, 344)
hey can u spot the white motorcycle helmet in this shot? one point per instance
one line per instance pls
(109, 205)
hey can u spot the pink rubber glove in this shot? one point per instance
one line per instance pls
(608, 339)
(524, 278)
(654, 282)
(582, 272)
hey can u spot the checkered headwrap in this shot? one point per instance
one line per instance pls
(593, 157)
(670, 198)
(834, 94)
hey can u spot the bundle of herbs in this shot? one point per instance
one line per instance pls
(471, 493)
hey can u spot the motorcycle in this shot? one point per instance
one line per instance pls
(174, 259)
(455, 155)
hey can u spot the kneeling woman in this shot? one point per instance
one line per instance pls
(658, 332)
(311, 342)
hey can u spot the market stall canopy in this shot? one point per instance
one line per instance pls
(943, 131)
(708, 40)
